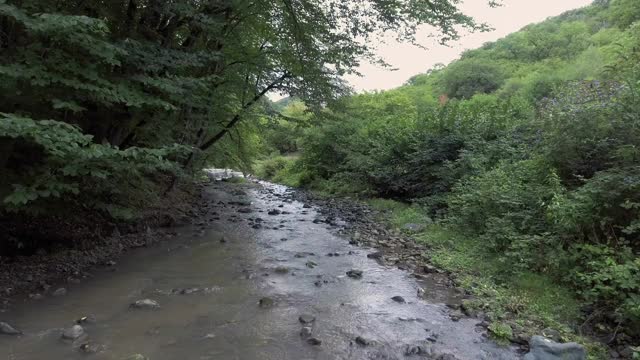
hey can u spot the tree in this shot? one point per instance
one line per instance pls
(466, 78)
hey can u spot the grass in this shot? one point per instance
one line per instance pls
(398, 213)
(527, 302)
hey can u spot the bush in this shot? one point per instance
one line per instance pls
(66, 166)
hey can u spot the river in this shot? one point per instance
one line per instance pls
(209, 277)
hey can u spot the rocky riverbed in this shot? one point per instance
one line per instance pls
(264, 273)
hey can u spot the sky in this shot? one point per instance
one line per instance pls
(410, 60)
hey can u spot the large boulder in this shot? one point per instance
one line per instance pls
(542, 348)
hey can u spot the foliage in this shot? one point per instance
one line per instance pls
(527, 148)
(135, 90)
(70, 166)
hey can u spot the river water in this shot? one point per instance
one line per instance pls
(209, 292)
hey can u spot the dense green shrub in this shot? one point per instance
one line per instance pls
(70, 166)
(533, 155)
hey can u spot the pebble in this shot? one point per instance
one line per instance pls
(60, 292)
(399, 299)
(362, 341)
(306, 318)
(305, 332)
(354, 274)
(145, 304)
(313, 341)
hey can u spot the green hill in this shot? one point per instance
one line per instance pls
(523, 155)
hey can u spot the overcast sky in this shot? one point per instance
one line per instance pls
(411, 60)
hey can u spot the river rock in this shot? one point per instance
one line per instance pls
(354, 274)
(7, 329)
(545, 349)
(60, 292)
(399, 299)
(313, 341)
(73, 333)
(266, 302)
(274, 212)
(305, 332)
(362, 341)
(376, 255)
(307, 319)
(146, 304)
(281, 270)
(411, 350)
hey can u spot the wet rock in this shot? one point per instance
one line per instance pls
(429, 269)
(282, 270)
(545, 349)
(354, 274)
(60, 292)
(274, 212)
(73, 333)
(311, 264)
(36, 296)
(412, 350)
(266, 302)
(145, 304)
(399, 299)
(245, 210)
(187, 291)
(305, 332)
(306, 206)
(306, 318)
(223, 240)
(376, 255)
(314, 341)
(362, 341)
(7, 329)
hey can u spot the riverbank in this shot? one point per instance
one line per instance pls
(512, 308)
(89, 243)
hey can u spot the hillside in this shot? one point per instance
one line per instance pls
(522, 160)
